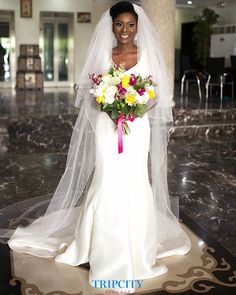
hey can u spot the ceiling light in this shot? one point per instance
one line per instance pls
(190, 2)
(222, 4)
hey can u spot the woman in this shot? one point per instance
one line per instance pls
(121, 223)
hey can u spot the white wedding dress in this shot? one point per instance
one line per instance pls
(116, 231)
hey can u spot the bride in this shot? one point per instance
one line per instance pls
(109, 209)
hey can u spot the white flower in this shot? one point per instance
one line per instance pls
(110, 94)
(150, 87)
(106, 79)
(145, 97)
(142, 99)
(139, 98)
(100, 89)
(114, 81)
(131, 90)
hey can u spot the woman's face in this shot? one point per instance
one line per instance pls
(125, 28)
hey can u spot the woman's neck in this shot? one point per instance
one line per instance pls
(124, 49)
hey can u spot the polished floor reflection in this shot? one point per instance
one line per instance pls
(192, 100)
(51, 101)
(208, 268)
(47, 102)
(35, 129)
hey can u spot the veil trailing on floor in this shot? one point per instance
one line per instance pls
(64, 207)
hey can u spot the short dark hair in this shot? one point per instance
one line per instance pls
(121, 7)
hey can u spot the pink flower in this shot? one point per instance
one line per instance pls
(122, 90)
(132, 80)
(141, 91)
(95, 78)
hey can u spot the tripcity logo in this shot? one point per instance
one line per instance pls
(117, 284)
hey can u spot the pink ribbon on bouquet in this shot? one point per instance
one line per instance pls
(121, 120)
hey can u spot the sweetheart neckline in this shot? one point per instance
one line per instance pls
(129, 68)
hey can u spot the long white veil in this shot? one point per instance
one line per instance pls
(71, 191)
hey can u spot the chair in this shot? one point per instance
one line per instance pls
(216, 76)
(189, 76)
(233, 61)
(232, 69)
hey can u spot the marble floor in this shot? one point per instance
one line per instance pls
(201, 164)
(192, 101)
(206, 269)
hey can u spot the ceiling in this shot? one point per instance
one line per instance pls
(201, 2)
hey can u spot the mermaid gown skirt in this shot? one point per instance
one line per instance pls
(117, 231)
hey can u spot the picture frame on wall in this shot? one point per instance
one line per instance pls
(83, 17)
(26, 8)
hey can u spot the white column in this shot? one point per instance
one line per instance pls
(162, 15)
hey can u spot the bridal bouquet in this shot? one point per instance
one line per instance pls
(122, 96)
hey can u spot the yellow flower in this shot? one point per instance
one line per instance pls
(125, 81)
(130, 99)
(100, 99)
(151, 93)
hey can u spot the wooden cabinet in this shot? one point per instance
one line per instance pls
(29, 64)
(29, 74)
(29, 50)
(29, 80)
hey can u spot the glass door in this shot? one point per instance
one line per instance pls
(63, 51)
(57, 53)
(7, 66)
(48, 51)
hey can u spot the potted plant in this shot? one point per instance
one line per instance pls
(202, 34)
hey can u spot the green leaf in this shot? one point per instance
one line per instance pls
(125, 110)
(114, 114)
(125, 128)
(140, 110)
